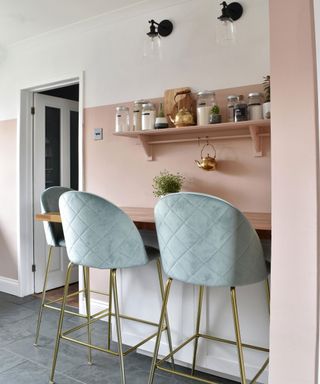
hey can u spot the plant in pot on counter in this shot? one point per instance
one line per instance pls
(166, 183)
(266, 105)
(215, 116)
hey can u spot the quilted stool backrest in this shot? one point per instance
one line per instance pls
(206, 241)
(49, 201)
(98, 234)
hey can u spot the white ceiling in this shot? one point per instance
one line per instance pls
(22, 19)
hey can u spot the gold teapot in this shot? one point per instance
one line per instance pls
(183, 117)
(207, 163)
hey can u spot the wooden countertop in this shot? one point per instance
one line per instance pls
(259, 220)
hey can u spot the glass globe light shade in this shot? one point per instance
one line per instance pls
(225, 32)
(152, 48)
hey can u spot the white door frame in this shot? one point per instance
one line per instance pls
(25, 217)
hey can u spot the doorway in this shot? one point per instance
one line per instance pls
(27, 200)
(55, 163)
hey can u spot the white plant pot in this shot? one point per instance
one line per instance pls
(266, 108)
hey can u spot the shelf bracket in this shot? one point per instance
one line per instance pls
(256, 140)
(147, 147)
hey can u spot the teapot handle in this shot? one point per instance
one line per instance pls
(209, 145)
(185, 92)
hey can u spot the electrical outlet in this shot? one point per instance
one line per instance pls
(98, 134)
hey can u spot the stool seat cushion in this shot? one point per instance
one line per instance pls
(62, 243)
(206, 241)
(50, 203)
(99, 234)
(266, 246)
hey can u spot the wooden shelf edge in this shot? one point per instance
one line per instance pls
(195, 128)
(254, 129)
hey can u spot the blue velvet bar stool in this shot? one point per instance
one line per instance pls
(100, 235)
(49, 201)
(207, 242)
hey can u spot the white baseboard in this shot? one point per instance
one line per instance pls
(10, 286)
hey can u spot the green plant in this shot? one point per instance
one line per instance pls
(166, 183)
(215, 110)
(266, 87)
(161, 112)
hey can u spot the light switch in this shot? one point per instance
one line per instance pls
(98, 134)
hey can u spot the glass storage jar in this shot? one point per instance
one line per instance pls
(122, 119)
(137, 114)
(255, 106)
(240, 110)
(205, 101)
(148, 116)
(232, 100)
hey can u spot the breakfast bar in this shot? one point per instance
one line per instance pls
(214, 357)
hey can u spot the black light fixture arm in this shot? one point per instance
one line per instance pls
(164, 28)
(231, 11)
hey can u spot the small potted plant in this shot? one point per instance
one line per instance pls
(166, 183)
(215, 116)
(161, 120)
(266, 108)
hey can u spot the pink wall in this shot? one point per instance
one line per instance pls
(8, 194)
(294, 193)
(117, 169)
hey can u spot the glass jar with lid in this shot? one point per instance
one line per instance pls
(255, 106)
(232, 100)
(148, 116)
(205, 101)
(122, 119)
(137, 114)
(240, 110)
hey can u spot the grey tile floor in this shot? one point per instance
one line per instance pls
(22, 363)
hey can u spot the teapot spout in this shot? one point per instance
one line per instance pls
(198, 163)
(171, 119)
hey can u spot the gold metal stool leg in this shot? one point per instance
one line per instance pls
(86, 280)
(59, 330)
(268, 293)
(118, 326)
(159, 268)
(110, 311)
(197, 329)
(238, 336)
(44, 289)
(161, 321)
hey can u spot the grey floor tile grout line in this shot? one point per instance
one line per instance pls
(40, 363)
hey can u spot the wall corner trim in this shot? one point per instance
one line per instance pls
(10, 286)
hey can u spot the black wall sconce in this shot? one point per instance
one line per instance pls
(226, 33)
(164, 28)
(157, 30)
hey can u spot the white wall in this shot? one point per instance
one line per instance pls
(109, 50)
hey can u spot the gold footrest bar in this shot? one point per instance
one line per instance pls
(254, 380)
(133, 348)
(89, 345)
(76, 328)
(136, 319)
(213, 338)
(61, 298)
(219, 339)
(93, 320)
(188, 376)
(66, 311)
(176, 350)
